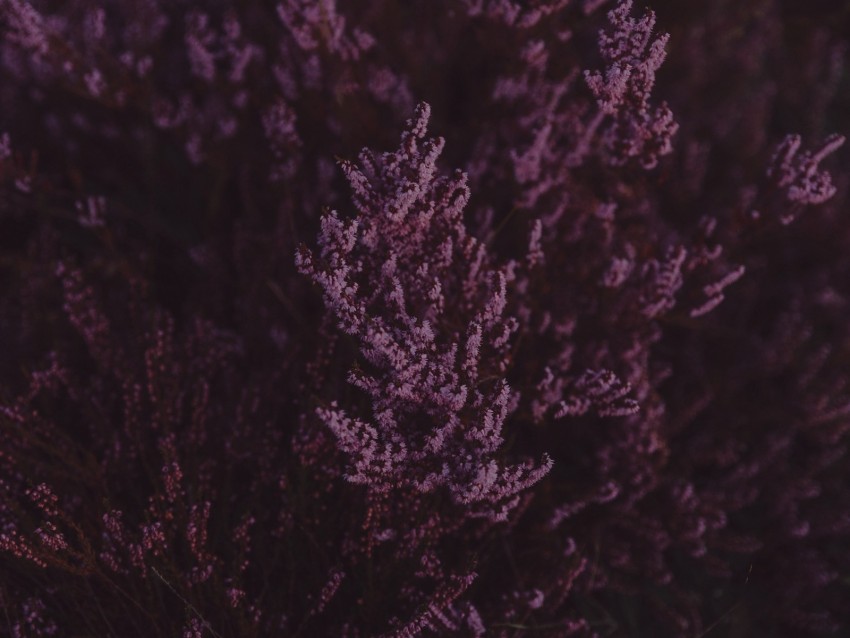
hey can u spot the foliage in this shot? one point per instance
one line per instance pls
(569, 359)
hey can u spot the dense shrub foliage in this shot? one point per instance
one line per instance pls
(564, 350)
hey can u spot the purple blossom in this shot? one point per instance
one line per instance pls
(632, 59)
(408, 249)
(798, 173)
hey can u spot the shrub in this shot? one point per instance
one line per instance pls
(561, 352)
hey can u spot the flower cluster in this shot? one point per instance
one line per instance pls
(632, 59)
(428, 309)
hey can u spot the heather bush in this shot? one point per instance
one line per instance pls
(435, 318)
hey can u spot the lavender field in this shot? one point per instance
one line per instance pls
(424, 318)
